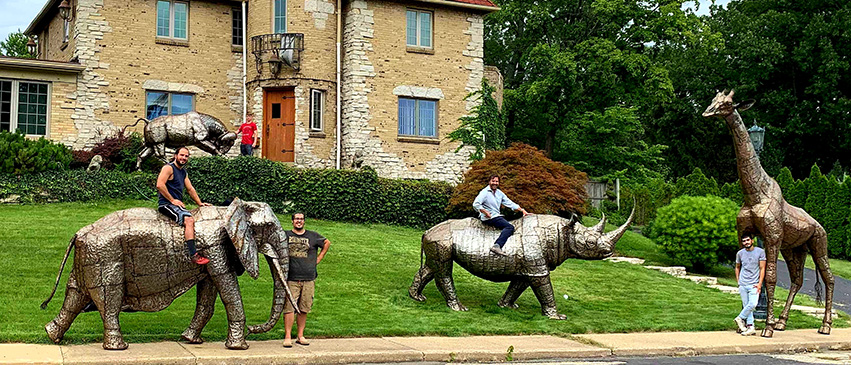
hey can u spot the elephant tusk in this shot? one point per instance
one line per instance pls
(286, 287)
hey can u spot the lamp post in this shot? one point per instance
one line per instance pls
(32, 47)
(64, 10)
(757, 135)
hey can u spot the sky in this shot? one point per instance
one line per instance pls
(17, 14)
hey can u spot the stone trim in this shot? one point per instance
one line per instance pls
(321, 10)
(422, 50)
(174, 87)
(419, 92)
(172, 42)
(425, 140)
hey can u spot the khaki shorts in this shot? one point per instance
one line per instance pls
(302, 294)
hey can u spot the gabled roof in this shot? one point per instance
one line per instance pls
(47, 12)
(481, 5)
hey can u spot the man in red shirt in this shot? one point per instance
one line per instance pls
(249, 137)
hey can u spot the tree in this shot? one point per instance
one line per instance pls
(529, 178)
(485, 127)
(15, 45)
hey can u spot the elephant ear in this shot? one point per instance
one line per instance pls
(239, 229)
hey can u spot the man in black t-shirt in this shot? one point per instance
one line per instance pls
(306, 250)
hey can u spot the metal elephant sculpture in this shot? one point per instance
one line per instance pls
(539, 245)
(190, 129)
(136, 260)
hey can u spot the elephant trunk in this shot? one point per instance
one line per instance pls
(278, 299)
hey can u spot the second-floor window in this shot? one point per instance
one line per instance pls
(417, 117)
(172, 19)
(418, 31)
(317, 110)
(159, 103)
(280, 16)
(236, 34)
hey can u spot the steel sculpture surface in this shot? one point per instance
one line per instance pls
(785, 228)
(540, 244)
(190, 129)
(135, 260)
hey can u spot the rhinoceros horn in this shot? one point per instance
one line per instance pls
(616, 235)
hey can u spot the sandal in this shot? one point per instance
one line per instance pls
(303, 342)
(288, 343)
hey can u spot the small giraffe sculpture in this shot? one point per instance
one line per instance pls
(785, 228)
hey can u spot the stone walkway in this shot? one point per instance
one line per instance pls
(434, 349)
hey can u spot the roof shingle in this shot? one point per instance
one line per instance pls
(476, 2)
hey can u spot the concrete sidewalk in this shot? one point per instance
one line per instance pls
(443, 349)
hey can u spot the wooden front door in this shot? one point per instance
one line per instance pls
(279, 125)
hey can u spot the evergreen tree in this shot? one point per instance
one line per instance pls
(15, 45)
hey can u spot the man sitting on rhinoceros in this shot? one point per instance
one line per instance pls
(488, 203)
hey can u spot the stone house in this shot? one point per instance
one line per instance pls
(401, 68)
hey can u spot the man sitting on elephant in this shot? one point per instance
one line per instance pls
(170, 184)
(488, 203)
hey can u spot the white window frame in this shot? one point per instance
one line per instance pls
(321, 94)
(13, 111)
(234, 9)
(275, 15)
(171, 13)
(419, 39)
(169, 93)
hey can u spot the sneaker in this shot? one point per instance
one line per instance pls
(200, 260)
(495, 249)
(750, 331)
(740, 323)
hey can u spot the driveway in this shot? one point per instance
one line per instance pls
(841, 287)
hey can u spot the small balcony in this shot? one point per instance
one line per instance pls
(278, 51)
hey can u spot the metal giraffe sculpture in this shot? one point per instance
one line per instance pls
(785, 228)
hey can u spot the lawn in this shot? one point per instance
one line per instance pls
(361, 290)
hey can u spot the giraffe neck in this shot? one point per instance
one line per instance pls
(755, 182)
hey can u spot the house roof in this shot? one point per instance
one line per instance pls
(50, 6)
(477, 2)
(40, 65)
(482, 5)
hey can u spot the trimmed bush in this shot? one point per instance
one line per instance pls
(698, 232)
(528, 177)
(20, 155)
(340, 195)
(696, 184)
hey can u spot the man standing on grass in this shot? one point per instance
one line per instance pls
(306, 250)
(750, 270)
(170, 184)
(488, 203)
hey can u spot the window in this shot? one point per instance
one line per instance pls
(159, 103)
(418, 31)
(172, 19)
(280, 16)
(23, 107)
(417, 117)
(317, 110)
(236, 34)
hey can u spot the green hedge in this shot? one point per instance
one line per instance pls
(21, 155)
(340, 195)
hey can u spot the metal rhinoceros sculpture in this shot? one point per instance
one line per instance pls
(539, 245)
(191, 129)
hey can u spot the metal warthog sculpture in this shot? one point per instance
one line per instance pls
(190, 129)
(539, 245)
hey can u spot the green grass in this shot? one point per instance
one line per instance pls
(361, 290)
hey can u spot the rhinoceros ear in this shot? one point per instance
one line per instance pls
(240, 233)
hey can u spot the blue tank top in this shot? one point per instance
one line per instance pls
(175, 186)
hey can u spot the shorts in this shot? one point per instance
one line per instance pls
(174, 213)
(302, 294)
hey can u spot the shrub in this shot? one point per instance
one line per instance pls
(20, 155)
(118, 152)
(529, 178)
(733, 192)
(77, 185)
(698, 232)
(696, 184)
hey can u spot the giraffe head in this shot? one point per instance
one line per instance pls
(722, 105)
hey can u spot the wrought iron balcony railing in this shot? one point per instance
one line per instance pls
(282, 48)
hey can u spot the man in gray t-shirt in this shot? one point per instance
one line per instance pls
(750, 270)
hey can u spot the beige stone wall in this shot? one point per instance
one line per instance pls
(56, 49)
(123, 55)
(316, 20)
(378, 63)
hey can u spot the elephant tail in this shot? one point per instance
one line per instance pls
(61, 268)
